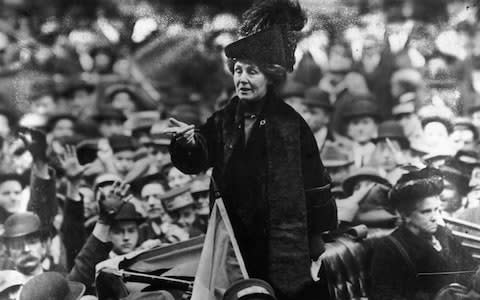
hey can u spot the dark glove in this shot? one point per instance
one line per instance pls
(111, 201)
(35, 142)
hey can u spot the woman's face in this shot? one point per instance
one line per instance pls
(362, 129)
(250, 82)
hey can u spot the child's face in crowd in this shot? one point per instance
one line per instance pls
(111, 127)
(124, 161)
(185, 217)
(11, 196)
(63, 128)
(124, 237)
(362, 129)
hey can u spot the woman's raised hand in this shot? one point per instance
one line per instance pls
(181, 131)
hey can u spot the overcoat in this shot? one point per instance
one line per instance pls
(393, 277)
(293, 188)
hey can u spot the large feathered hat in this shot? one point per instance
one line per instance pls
(269, 33)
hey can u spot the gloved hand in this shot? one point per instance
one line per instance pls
(111, 201)
(35, 141)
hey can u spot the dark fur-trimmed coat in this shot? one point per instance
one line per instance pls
(294, 185)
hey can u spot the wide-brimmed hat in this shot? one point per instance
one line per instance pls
(332, 157)
(361, 106)
(249, 289)
(21, 224)
(10, 279)
(51, 286)
(392, 130)
(178, 198)
(316, 97)
(364, 173)
(52, 120)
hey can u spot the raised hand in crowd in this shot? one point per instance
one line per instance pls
(70, 164)
(181, 131)
(35, 141)
(111, 201)
(348, 207)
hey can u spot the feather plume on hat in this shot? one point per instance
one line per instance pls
(266, 14)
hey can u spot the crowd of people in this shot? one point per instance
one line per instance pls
(393, 102)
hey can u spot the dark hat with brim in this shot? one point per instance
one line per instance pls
(394, 131)
(333, 157)
(316, 97)
(14, 177)
(468, 156)
(128, 213)
(249, 289)
(361, 106)
(264, 47)
(109, 113)
(87, 151)
(51, 285)
(52, 120)
(121, 143)
(178, 198)
(361, 174)
(137, 185)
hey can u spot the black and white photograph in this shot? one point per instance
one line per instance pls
(240, 150)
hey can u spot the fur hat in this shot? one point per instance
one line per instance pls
(268, 30)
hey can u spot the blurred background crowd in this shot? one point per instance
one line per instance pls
(386, 87)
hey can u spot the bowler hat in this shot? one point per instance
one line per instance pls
(264, 47)
(21, 224)
(128, 213)
(316, 97)
(392, 130)
(361, 107)
(137, 185)
(51, 286)
(364, 173)
(249, 289)
(177, 198)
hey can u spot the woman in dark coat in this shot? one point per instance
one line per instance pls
(412, 261)
(266, 165)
